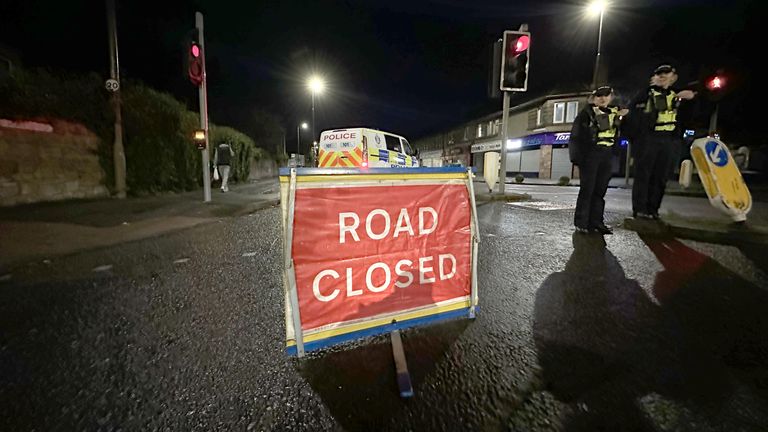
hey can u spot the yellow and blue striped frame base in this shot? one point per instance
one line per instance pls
(379, 326)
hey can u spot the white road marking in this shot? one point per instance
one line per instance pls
(249, 254)
(544, 205)
(103, 268)
(181, 260)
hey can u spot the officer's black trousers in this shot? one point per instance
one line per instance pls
(653, 165)
(595, 174)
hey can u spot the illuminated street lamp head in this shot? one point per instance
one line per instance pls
(316, 84)
(597, 7)
(304, 125)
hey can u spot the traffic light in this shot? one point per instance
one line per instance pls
(199, 138)
(514, 60)
(195, 60)
(716, 84)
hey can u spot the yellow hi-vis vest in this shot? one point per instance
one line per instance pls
(608, 137)
(666, 120)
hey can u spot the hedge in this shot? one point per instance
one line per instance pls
(157, 128)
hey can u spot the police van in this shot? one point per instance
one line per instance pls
(364, 148)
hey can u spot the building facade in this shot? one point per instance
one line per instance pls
(537, 139)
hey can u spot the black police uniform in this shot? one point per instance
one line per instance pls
(593, 137)
(656, 144)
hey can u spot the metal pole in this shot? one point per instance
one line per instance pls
(713, 120)
(313, 117)
(503, 164)
(597, 59)
(626, 164)
(298, 139)
(118, 151)
(204, 112)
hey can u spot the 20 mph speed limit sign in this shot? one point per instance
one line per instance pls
(112, 85)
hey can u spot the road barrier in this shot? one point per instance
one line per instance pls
(372, 251)
(721, 178)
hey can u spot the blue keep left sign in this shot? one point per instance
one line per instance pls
(716, 153)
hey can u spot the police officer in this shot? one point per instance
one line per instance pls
(656, 138)
(593, 137)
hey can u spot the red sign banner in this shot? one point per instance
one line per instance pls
(364, 251)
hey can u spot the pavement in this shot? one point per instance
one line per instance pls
(686, 212)
(45, 230)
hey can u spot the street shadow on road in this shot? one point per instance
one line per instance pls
(603, 344)
(358, 383)
(756, 254)
(715, 308)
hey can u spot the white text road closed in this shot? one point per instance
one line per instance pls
(349, 223)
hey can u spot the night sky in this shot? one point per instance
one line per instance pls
(410, 67)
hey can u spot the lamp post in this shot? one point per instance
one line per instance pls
(316, 85)
(597, 7)
(303, 125)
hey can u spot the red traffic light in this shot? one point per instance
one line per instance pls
(521, 44)
(514, 61)
(717, 82)
(195, 64)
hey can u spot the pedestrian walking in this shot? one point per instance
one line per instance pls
(655, 136)
(222, 159)
(594, 135)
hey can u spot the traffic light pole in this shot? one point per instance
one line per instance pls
(504, 131)
(713, 120)
(204, 113)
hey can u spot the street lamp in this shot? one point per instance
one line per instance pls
(316, 85)
(595, 8)
(303, 125)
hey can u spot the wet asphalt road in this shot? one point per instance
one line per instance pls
(185, 332)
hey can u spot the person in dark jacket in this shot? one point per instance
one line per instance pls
(222, 159)
(593, 136)
(655, 136)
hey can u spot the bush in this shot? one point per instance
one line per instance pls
(157, 128)
(564, 181)
(158, 142)
(519, 178)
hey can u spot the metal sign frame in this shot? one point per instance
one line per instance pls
(293, 317)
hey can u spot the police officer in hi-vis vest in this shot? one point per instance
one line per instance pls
(656, 139)
(593, 137)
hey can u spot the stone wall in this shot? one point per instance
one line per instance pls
(262, 169)
(48, 161)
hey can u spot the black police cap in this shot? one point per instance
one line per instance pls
(603, 91)
(663, 69)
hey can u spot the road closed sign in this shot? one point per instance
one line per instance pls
(721, 178)
(375, 249)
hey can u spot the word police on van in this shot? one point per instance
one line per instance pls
(363, 148)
